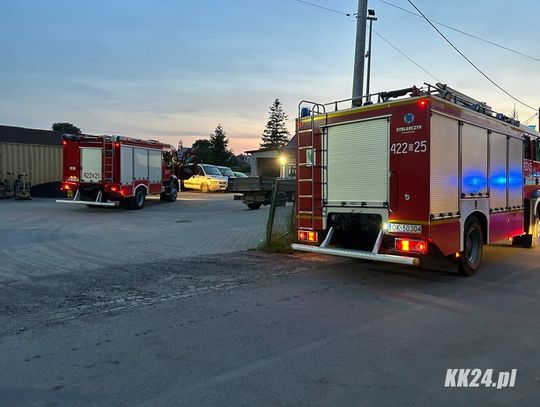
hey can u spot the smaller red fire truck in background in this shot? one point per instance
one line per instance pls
(109, 170)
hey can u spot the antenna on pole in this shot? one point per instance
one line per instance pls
(359, 54)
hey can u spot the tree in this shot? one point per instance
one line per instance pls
(66, 128)
(203, 151)
(219, 144)
(275, 135)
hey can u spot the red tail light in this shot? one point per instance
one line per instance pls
(308, 236)
(411, 246)
(66, 187)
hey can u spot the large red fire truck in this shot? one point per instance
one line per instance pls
(420, 176)
(109, 170)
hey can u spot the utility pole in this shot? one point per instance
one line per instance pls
(371, 17)
(360, 53)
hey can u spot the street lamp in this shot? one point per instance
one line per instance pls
(371, 17)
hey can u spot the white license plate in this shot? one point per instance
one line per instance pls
(404, 228)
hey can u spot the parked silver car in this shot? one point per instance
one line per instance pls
(208, 179)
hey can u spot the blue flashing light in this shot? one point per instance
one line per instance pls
(474, 182)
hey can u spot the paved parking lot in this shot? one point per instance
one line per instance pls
(123, 326)
(42, 237)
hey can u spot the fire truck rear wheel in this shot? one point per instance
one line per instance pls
(535, 233)
(473, 243)
(530, 241)
(173, 195)
(139, 199)
(254, 205)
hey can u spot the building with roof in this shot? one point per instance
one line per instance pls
(274, 162)
(35, 152)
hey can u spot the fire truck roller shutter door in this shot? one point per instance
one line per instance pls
(473, 161)
(126, 165)
(444, 165)
(515, 172)
(154, 165)
(497, 171)
(140, 163)
(357, 162)
(91, 164)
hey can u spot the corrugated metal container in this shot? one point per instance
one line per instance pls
(42, 163)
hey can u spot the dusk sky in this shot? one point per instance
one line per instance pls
(173, 70)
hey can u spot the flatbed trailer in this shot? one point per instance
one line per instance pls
(257, 191)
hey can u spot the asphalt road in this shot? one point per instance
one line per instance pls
(248, 328)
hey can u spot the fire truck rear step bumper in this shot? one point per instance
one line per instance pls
(358, 254)
(97, 202)
(93, 203)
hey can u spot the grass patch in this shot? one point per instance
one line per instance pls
(280, 243)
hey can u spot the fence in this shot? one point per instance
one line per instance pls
(280, 230)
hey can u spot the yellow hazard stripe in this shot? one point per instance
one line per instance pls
(308, 217)
(410, 222)
(424, 222)
(439, 221)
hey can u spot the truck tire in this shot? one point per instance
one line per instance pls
(139, 199)
(173, 195)
(473, 243)
(536, 233)
(205, 188)
(254, 205)
(530, 241)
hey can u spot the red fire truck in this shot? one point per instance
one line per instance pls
(421, 177)
(109, 170)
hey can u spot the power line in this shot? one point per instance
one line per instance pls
(324, 8)
(530, 118)
(434, 21)
(463, 32)
(469, 61)
(406, 56)
(376, 33)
